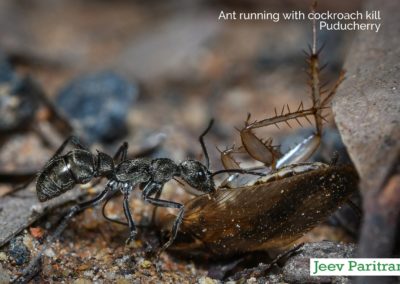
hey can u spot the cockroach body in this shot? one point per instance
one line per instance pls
(266, 215)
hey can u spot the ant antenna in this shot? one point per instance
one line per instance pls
(203, 145)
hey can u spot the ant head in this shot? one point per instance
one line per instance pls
(197, 176)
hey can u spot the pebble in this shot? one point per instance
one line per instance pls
(297, 268)
(49, 253)
(18, 251)
(82, 281)
(98, 105)
(145, 264)
(3, 256)
(122, 280)
(18, 99)
(207, 280)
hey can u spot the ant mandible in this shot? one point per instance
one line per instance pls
(79, 166)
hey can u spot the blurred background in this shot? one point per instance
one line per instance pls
(152, 73)
(163, 67)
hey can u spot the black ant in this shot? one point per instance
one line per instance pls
(80, 166)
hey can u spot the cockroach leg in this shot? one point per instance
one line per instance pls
(238, 176)
(264, 152)
(301, 152)
(226, 158)
(259, 150)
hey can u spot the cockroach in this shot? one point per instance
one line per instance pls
(273, 211)
(266, 215)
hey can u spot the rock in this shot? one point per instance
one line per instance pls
(367, 105)
(145, 264)
(18, 99)
(297, 268)
(207, 280)
(18, 251)
(367, 113)
(98, 105)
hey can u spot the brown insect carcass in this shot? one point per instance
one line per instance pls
(262, 216)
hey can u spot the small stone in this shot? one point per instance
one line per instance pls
(18, 251)
(98, 105)
(83, 267)
(122, 280)
(110, 275)
(3, 256)
(49, 252)
(251, 280)
(82, 281)
(207, 280)
(28, 242)
(36, 232)
(297, 268)
(89, 273)
(145, 264)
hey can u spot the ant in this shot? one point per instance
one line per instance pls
(80, 166)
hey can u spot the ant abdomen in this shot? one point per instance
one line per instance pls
(62, 173)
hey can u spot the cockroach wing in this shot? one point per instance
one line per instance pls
(265, 216)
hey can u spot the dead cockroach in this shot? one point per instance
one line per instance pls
(273, 211)
(267, 215)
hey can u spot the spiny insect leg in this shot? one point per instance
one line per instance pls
(257, 149)
(332, 92)
(301, 152)
(227, 160)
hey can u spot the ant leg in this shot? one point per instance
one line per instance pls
(203, 145)
(131, 223)
(70, 140)
(122, 152)
(16, 177)
(153, 215)
(61, 122)
(22, 180)
(103, 211)
(32, 267)
(153, 188)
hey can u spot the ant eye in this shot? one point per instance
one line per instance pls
(201, 176)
